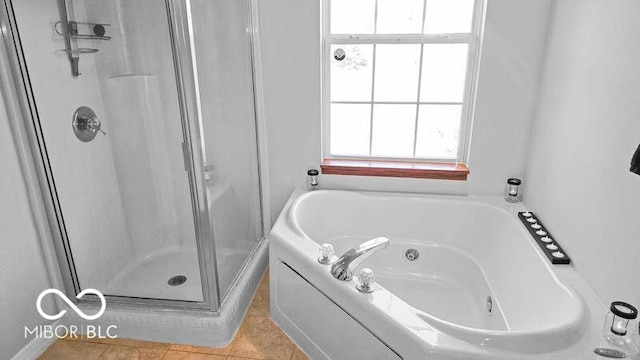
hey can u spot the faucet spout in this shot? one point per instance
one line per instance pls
(343, 268)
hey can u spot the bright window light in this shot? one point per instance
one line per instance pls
(399, 78)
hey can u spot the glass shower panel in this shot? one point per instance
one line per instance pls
(223, 55)
(125, 196)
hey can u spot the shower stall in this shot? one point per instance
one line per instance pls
(141, 117)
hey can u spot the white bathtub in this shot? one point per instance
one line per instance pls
(471, 249)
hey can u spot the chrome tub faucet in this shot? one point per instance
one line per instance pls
(342, 269)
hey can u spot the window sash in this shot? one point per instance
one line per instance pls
(468, 101)
(401, 39)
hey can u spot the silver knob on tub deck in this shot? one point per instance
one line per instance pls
(327, 254)
(366, 280)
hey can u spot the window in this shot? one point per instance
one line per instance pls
(398, 78)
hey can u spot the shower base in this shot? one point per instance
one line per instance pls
(149, 277)
(191, 327)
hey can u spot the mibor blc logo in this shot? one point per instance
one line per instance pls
(71, 331)
(73, 306)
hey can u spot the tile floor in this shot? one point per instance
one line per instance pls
(257, 338)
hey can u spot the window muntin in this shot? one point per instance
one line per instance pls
(404, 89)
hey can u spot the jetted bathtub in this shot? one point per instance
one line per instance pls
(480, 288)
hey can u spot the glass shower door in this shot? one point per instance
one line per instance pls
(126, 195)
(222, 42)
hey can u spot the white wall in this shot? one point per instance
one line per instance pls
(586, 128)
(21, 258)
(513, 45)
(290, 36)
(510, 65)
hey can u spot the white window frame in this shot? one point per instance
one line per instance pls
(473, 39)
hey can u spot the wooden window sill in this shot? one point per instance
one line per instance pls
(420, 170)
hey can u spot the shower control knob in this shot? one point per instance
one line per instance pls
(86, 124)
(327, 254)
(366, 280)
(94, 125)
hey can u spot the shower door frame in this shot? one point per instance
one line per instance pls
(31, 143)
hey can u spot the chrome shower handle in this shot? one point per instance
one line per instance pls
(85, 124)
(95, 125)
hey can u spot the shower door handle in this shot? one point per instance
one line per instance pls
(185, 157)
(208, 174)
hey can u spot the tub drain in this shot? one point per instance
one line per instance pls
(412, 254)
(177, 280)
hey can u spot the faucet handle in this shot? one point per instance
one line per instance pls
(327, 254)
(367, 279)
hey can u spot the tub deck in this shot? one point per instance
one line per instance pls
(471, 249)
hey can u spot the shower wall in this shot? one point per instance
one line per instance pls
(134, 108)
(138, 77)
(84, 172)
(125, 195)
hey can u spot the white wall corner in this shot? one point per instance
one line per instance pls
(36, 347)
